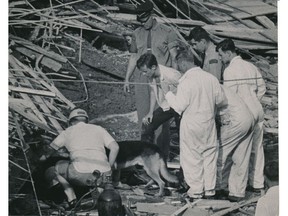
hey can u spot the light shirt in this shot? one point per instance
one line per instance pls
(244, 79)
(86, 144)
(167, 75)
(268, 205)
(163, 38)
(198, 94)
(212, 63)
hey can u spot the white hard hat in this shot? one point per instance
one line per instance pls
(78, 113)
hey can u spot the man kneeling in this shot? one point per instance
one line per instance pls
(85, 144)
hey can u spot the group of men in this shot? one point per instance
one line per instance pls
(221, 127)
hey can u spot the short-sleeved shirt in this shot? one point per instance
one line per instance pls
(163, 38)
(168, 75)
(212, 63)
(86, 144)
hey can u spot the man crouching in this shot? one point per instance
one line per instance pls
(85, 144)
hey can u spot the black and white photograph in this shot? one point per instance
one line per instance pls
(143, 107)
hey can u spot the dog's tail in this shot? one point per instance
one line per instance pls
(166, 174)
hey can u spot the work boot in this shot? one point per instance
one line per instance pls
(235, 198)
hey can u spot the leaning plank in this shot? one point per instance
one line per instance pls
(55, 109)
(219, 7)
(31, 91)
(244, 36)
(47, 62)
(32, 105)
(25, 108)
(44, 108)
(266, 22)
(271, 34)
(38, 49)
(52, 88)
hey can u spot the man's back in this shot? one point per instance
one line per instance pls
(86, 144)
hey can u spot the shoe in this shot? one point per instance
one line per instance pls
(221, 195)
(209, 197)
(235, 198)
(257, 191)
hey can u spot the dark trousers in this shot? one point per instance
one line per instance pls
(159, 117)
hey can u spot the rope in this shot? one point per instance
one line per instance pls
(133, 83)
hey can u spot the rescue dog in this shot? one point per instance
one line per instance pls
(147, 155)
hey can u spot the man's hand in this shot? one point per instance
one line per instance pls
(127, 87)
(147, 119)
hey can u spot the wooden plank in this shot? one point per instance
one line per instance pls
(219, 7)
(45, 61)
(266, 22)
(42, 105)
(250, 36)
(26, 108)
(32, 91)
(252, 24)
(236, 206)
(38, 49)
(52, 88)
(156, 208)
(270, 34)
(32, 105)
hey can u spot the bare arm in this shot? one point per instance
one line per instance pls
(148, 118)
(114, 149)
(130, 69)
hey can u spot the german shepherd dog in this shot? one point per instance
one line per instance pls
(147, 155)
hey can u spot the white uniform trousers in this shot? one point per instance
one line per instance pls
(199, 169)
(257, 160)
(235, 144)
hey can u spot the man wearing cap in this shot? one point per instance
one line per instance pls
(85, 144)
(153, 37)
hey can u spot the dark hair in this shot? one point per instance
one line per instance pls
(147, 59)
(198, 33)
(272, 170)
(226, 45)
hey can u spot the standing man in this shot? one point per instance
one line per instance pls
(157, 74)
(201, 42)
(86, 146)
(198, 94)
(245, 80)
(235, 142)
(155, 38)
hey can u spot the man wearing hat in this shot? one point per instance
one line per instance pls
(161, 41)
(85, 144)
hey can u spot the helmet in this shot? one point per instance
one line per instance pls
(78, 113)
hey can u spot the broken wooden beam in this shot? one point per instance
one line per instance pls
(32, 91)
(38, 49)
(45, 61)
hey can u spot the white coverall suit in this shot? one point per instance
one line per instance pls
(235, 140)
(198, 93)
(245, 80)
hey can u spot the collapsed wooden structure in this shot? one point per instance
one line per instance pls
(37, 109)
